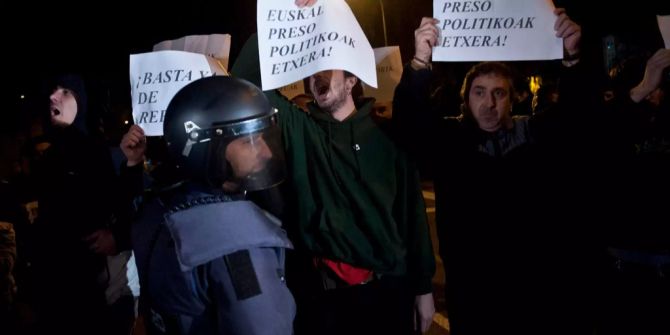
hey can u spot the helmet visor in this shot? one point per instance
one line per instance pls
(249, 162)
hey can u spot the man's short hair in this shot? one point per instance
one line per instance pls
(357, 90)
(485, 68)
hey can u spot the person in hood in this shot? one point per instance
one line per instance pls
(76, 228)
(364, 260)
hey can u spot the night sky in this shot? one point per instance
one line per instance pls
(98, 39)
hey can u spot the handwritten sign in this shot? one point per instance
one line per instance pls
(295, 43)
(155, 78)
(496, 30)
(664, 27)
(389, 72)
(216, 46)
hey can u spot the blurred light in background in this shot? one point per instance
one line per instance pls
(535, 83)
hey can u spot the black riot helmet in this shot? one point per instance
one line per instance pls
(223, 132)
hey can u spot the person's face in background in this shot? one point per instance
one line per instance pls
(490, 102)
(330, 89)
(63, 107)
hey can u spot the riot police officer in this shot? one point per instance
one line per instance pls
(211, 261)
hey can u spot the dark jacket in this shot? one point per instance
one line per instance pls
(76, 196)
(211, 265)
(357, 198)
(637, 198)
(505, 230)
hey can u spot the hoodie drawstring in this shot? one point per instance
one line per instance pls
(354, 146)
(356, 149)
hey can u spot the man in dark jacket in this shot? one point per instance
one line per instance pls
(76, 192)
(508, 261)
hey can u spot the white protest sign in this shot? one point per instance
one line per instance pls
(291, 90)
(294, 43)
(155, 77)
(496, 30)
(664, 27)
(215, 45)
(389, 71)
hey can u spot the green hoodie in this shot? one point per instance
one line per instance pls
(356, 197)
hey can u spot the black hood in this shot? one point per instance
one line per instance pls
(75, 83)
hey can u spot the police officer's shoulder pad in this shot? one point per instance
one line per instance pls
(206, 232)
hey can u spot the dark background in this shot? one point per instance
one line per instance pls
(96, 39)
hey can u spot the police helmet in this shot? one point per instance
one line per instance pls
(222, 131)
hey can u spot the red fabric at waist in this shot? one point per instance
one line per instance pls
(348, 273)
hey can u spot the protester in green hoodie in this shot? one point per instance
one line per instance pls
(355, 212)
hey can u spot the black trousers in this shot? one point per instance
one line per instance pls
(382, 306)
(635, 299)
